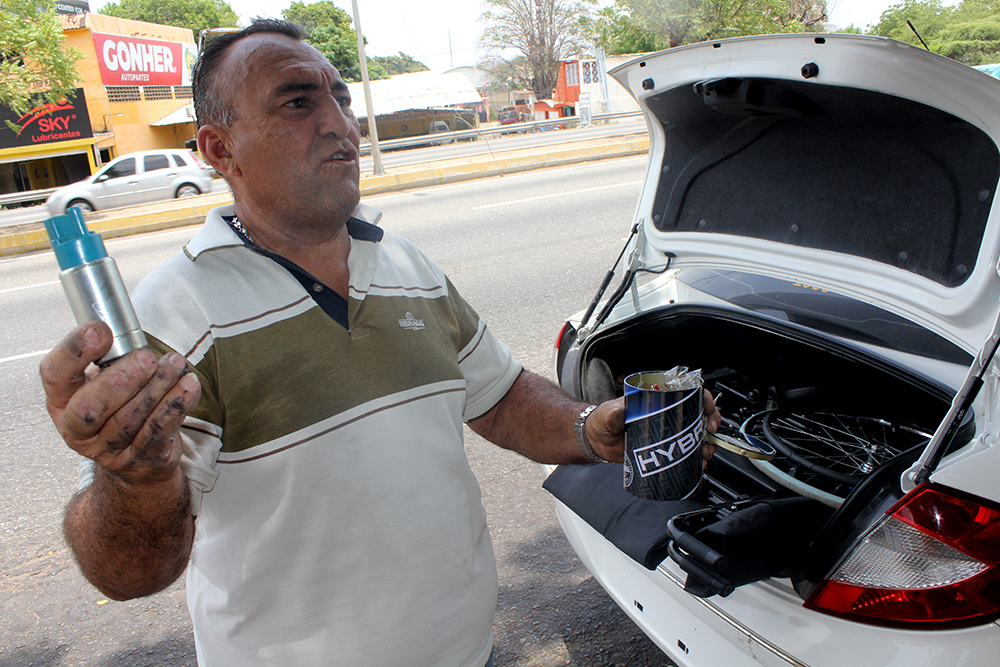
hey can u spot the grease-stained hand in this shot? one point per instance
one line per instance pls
(126, 417)
(606, 428)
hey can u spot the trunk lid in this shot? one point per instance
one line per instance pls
(855, 164)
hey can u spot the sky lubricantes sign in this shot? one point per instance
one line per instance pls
(47, 123)
(132, 61)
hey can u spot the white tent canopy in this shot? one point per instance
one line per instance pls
(183, 115)
(418, 90)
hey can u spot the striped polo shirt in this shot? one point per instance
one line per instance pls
(339, 522)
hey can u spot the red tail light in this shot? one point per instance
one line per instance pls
(562, 334)
(197, 160)
(932, 561)
(563, 342)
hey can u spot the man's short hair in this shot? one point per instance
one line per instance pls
(212, 104)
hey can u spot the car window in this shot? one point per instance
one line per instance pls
(120, 169)
(154, 162)
(178, 160)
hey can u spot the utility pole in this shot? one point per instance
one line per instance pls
(372, 129)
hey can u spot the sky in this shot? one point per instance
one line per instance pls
(444, 33)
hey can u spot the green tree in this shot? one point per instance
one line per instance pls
(34, 67)
(540, 33)
(927, 16)
(970, 42)
(614, 28)
(398, 64)
(968, 32)
(328, 28)
(646, 25)
(323, 14)
(195, 15)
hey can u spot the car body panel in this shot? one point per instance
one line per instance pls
(116, 185)
(158, 179)
(975, 470)
(764, 624)
(126, 181)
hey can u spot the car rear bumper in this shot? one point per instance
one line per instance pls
(760, 624)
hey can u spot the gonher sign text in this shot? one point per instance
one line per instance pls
(131, 61)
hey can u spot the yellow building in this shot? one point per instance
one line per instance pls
(135, 94)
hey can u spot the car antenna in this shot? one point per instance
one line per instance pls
(607, 278)
(917, 34)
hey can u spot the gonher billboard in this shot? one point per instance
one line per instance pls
(47, 123)
(133, 61)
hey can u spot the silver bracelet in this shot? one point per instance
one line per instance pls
(580, 427)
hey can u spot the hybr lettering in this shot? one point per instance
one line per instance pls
(664, 454)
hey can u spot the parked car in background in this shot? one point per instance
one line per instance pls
(439, 127)
(819, 233)
(136, 178)
(992, 69)
(509, 116)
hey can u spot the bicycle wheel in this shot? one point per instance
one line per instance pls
(824, 455)
(841, 448)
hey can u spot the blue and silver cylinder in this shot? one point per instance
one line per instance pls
(93, 283)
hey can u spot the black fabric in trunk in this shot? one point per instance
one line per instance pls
(768, 539)
(765, 540)
(637, 527)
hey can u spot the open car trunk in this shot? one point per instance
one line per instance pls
(845, 423)
(819, 220)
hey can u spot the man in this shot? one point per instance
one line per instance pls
(307, 405)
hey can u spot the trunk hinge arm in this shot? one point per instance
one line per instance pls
(928, 462)
(634, 264)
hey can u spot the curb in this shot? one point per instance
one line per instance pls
(513, 163)
(180, 212)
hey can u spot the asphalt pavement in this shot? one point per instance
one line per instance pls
(29, 237)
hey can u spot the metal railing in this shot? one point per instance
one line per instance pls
(434, 139)
(23, 197)
(438, 138)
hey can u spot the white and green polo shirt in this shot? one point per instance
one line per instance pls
(338, 520)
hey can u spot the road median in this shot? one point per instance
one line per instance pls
(190, 211)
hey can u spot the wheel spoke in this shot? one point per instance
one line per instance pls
(834, 452)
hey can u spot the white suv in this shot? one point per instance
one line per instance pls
(136, 178)
(818, 232)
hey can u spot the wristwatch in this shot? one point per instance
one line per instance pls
(580, 427)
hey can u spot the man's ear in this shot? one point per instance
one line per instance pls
(212, 140)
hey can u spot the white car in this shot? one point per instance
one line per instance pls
(136, 178)
(818, 232)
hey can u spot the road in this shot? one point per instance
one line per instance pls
(26, 214)
(494, 145)
(497, 144)
(525, 249)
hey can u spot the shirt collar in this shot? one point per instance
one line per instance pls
(216, 233)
